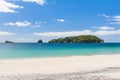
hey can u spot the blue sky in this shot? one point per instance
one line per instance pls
(31, 20)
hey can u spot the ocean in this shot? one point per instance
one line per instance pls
(35, 50)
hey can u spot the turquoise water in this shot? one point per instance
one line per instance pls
(31, 50)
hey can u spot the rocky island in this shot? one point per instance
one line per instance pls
(40, 41)
(8, 42)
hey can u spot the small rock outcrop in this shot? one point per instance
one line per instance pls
(8, 42)
(40, 41)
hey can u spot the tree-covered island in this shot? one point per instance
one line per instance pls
(78, 39)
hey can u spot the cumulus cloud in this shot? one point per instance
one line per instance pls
(3, 33)
(76, 33)
(18, 24)
(60, 20)
(40, 2)
(8, 7)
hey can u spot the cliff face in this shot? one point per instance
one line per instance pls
(78, 39)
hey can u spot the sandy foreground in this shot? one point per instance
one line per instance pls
(95, 67)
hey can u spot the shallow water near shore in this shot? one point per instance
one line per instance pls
(33, 50)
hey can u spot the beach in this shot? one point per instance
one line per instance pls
(62, 68)
(59, 40)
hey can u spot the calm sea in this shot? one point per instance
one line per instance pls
(32, 50)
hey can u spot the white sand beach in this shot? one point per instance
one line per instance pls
(94, 65)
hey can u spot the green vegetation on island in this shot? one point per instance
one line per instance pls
(78, 39)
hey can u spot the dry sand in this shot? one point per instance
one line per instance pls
(102, 67)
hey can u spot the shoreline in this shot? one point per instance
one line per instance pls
(63, 65)
(66, 56)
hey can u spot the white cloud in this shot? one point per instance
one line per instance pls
(112, 19)
(24, 39)
(115, 20)
(8, 7)
(18, 24)
(104, 15)
(107, 32)
(25, 24)
(76, 33)
(40, 2)
(60, 20)
(104, 28)
(3, 33)
(60, 34)
(117, 17)
(38, 24)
